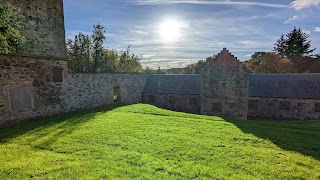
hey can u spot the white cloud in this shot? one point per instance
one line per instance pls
(291, 19)
(317, 29)
(167, 64)
(208, 2)
(299, 16)
(303, 4)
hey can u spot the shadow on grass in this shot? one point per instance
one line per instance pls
(301, 137)
(53, 127)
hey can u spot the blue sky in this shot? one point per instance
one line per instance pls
(198, 28)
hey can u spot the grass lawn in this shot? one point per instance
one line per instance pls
(144, 142)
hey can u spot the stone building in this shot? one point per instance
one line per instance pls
(284, 96)
(227, 90)
(225, 87)
(31, 81)
(35, 81)
(175, 92)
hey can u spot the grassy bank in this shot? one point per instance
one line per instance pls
(144, 142)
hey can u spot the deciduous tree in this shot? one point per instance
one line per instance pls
(268, 62)
(86, 54)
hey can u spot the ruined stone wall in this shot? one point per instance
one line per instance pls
(176, 102)
(225, 88)
(283, 108)
(33, 87)
(42, 23)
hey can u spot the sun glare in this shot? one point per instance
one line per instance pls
(170, 31)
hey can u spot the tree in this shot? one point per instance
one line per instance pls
(86, 54)
(268, 62)
(196, 68)
(295, 43)
(79, 53)
(129, 62)
(10, 36)
(307, 64)
(98, 38)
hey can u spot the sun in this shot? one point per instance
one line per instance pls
(170, 31)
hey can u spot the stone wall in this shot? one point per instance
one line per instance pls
(23, 77)
(177, 102)
(90, 90)
(33, 87)
(283, 108)
(225, 87)
(42, 23)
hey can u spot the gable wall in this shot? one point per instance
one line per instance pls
(225, 88)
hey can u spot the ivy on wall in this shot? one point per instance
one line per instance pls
(10, 36)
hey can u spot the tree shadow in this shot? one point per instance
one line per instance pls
(302, 137)
(53, 127)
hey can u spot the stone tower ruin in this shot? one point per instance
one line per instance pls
(32, 79)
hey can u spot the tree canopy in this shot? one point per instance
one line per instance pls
(291, 55)
(269, 62)
(86, 54)
(10, 36)
(295, 43)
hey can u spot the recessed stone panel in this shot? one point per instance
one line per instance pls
(285, 105)
(152, 98)
(317, 107)
(172, 99)
(193, 101)
(253, 104)
(20, 98)
(57, 74)
(216, 107)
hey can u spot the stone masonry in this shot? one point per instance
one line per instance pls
(283, 108)
(18, 73)
(35, 81)
(42, 23)
(177, 102)
(32, 88)
(225, 87)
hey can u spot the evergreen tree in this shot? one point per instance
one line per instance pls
(281, 46)
(295, 43)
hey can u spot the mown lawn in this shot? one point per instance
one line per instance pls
(144, 142)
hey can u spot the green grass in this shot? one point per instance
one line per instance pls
(144, 142)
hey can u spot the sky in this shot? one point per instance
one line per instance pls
(175, 33)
